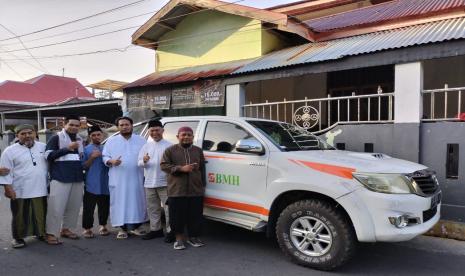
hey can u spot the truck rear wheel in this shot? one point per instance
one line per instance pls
(315, 234)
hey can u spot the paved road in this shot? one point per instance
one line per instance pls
(229, 251)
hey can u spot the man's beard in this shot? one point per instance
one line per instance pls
(186, 144)
(29, 143)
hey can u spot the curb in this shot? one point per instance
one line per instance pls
(448, 229)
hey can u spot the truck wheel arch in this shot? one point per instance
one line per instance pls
(289, 197)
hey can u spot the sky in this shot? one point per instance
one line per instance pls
(22, 17)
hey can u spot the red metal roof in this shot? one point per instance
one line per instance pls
(188, 74)
(44, 89)
(383, 12)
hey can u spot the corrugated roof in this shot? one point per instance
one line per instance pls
(383, 12)
(111, 85)
(43, 89)
(368, 43)
(188, 73)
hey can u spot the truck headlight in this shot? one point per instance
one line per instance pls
(385, 183)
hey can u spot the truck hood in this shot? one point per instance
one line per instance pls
(359, 162)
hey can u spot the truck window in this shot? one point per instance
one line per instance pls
(171, 129)
(290, 138)
(222, 137)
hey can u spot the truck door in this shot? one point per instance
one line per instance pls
(236, 181)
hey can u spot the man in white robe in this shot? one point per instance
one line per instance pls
(126, 179)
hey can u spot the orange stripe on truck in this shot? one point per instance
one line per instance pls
(226, 204)
(223, 157)
(344, 172)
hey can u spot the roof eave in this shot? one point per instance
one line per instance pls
(280, 20)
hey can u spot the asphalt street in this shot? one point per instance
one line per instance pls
(229, 251)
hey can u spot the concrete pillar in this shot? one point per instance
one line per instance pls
(408, 110)
(235, 99)
(124, 104)
(408, 86)
(39, 120)
(2, 122)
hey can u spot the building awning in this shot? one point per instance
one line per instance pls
(109, 85)
(188, 74)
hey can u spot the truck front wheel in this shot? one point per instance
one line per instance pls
(315, 234)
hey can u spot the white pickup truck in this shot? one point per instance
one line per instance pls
(319, 202)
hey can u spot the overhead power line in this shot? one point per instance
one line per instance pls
(83, 29)
(12, 69)
(72, 40)
(76, 20)
(25, 48)
(24, 60)
(119, 30)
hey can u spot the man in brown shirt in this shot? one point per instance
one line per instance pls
(185, 165)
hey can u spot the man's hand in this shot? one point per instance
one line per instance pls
(9, 192)
(4, 171)
(95, 154)
(115, 162)
(187, 168)
(73, 145)
(146, 158)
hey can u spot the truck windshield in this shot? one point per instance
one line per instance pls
(289, 137)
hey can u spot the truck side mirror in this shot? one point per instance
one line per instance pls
(250, 145)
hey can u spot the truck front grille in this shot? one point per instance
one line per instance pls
(426, 182)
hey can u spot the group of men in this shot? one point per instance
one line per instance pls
(130, 179)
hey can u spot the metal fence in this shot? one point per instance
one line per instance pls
(444, 104)
(319, 115)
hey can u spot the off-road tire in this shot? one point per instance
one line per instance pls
(343, 237)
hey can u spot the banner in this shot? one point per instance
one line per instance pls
(207, 93)
(202, 94)
(150, 99)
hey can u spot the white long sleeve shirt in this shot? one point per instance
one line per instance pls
(154, 176)
(28, 170)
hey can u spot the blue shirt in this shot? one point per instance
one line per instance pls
(97, 174)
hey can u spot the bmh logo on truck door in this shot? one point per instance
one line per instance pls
(219, 178)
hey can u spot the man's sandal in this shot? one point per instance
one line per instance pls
(88, 234)
(122, 235)
(52, 240)
(69, 235)
(103, 231)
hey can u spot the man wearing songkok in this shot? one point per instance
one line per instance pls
(155, 180)
(25, 185)
(96, 185)
(126, 179)
(185, 165)
(63, 152)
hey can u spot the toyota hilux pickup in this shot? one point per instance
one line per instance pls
(317, 201)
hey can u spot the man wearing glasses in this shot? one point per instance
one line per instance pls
(64, 152)
(25, 185)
